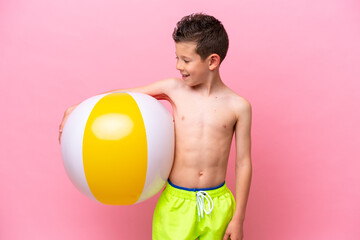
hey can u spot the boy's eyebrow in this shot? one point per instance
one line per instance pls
(182, 56)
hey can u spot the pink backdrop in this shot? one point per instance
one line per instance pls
(296, 61)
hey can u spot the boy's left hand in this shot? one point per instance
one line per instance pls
(234, 230)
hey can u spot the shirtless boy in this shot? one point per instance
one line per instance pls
(196, 202)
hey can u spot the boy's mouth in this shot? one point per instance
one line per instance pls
(184, 76)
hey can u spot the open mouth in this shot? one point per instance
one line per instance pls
(184, 76)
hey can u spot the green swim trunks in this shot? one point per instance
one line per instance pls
(187, 214)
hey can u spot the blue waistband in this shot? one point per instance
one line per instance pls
(195, 189)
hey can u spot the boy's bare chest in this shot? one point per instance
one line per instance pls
(214, 114)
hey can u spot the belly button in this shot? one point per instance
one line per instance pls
(201, 173)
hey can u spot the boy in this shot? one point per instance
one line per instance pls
(196, 202)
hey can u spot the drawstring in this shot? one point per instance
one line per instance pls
(200, 202)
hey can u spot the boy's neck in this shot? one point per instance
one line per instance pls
(211, 85)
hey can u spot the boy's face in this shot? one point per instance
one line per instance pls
(192, 68)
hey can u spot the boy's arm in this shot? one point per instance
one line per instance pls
(243, 170)
(161, 90)
(243, 167)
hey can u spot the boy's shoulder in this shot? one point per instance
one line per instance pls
(235, 98)
(172, 82)
(239, 104)
(175, 84)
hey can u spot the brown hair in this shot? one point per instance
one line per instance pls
(206, 31)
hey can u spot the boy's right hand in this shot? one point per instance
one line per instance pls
(66, 115)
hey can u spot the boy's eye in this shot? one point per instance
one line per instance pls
(185, 61)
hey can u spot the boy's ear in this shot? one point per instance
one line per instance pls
(214, 61)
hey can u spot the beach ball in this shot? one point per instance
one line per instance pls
(118, 148)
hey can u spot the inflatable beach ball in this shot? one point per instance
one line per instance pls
(118, 148)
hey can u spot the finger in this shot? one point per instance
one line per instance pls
(226, 236)
(59, 137)
(60, 132)
(61, 126)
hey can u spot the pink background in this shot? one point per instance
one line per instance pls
(296, 61)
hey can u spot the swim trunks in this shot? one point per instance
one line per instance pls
(183, 213)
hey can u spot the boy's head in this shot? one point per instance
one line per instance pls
(206, 31)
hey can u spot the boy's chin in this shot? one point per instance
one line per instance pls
(191, 83)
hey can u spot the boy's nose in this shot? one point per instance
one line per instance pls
(179, 66)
